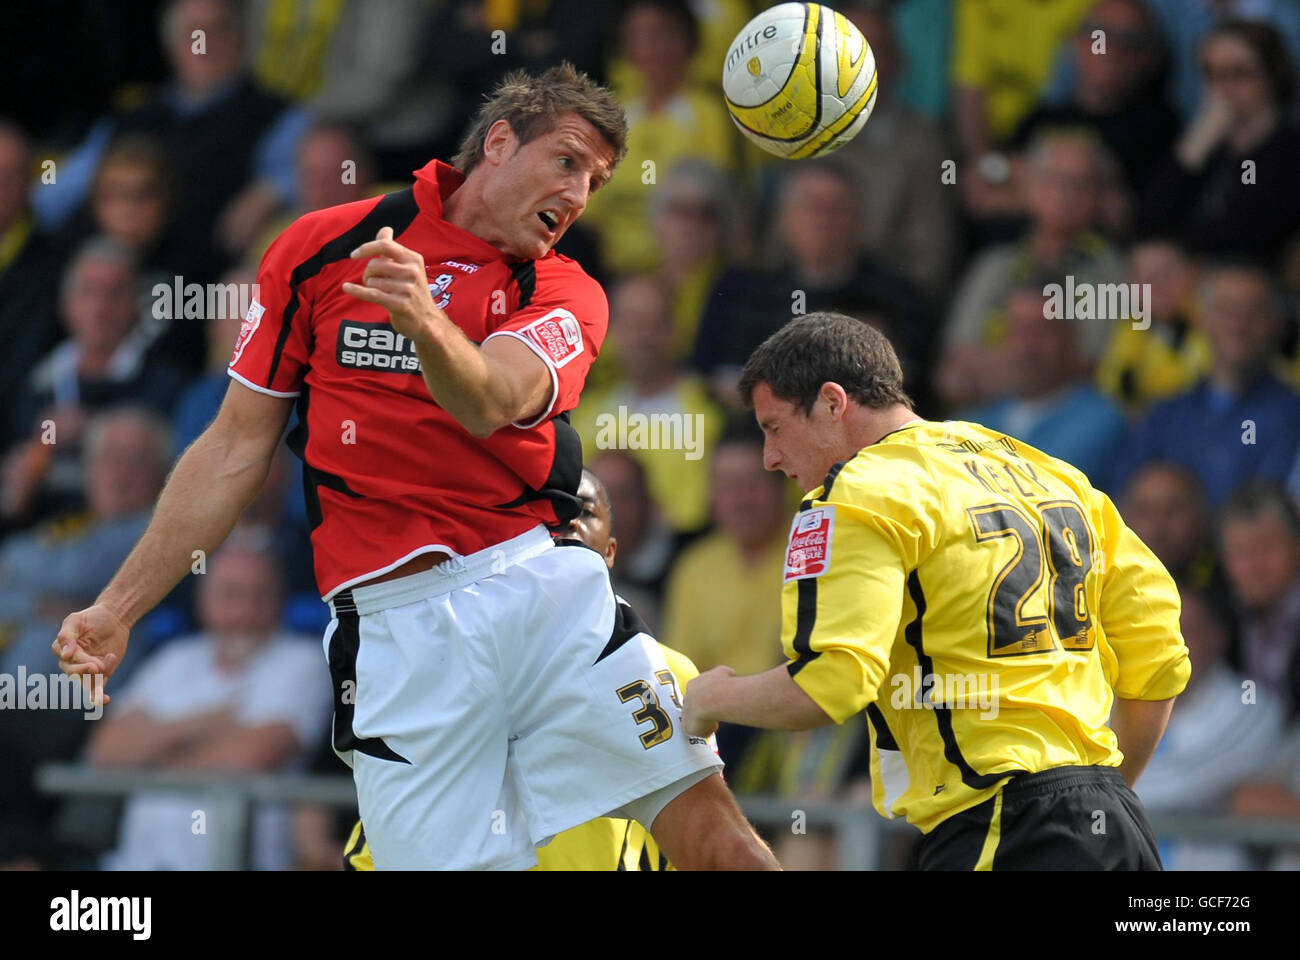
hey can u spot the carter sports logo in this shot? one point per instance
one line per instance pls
(809, 552)
(375, 346)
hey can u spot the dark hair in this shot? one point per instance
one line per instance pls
(532, 104)
(808, 351)
(1257, 497)
(679, 10)
(1269, 46)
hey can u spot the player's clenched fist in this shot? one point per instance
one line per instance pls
(702, 695)
(91, 641)
(396, 280)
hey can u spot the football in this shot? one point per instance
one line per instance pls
(800, 80)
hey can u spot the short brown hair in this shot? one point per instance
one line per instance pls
(532, 105)
(809, 351)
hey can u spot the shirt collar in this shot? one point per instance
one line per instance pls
(434, 183)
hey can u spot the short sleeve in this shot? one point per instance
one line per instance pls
(564, 323)
(1139, 615)
(844, 579)
(271, 352)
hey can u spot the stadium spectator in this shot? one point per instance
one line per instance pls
(720, 605)
(671, 423)
(1063, 170)
(63, 562)
(68, 560)
(225, 136)
(241, 696)
(718, 22)
(289, 44)
(1185, 24)
(907, 224)
(1260, 538)
(647, 546)
(823, 268)
(474, 43)
(1047, 400)
(1229, 187)
(1144, 362)
(1239, 422)
(102, 363)
(1165, 507)
(131, 201)
(1118, 90)
(332, 166)
(699, 227)
(669, 122)
(1002, 56)
(29, 276)
(1219, 736)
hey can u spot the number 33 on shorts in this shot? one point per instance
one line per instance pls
(649, 710)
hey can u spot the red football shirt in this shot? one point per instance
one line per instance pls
(388, 473)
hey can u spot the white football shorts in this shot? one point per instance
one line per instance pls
(496, 700)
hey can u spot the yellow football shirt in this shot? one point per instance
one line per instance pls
(1007, 48)
(983, 603)
(601, 844)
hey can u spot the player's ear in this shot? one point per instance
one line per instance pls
(498, 142)
(835, 398)
(611, 549)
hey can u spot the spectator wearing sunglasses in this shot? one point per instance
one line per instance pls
(1120, 64)
(1229, 187)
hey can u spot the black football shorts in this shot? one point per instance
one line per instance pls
(1066, 818)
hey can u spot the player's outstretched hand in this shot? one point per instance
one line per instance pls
(395, 278)
(91, 641)
(701, 700)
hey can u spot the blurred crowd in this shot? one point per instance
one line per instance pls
(1077, 220)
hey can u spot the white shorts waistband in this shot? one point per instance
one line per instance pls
(447, 576)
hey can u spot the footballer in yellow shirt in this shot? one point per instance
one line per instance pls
(606, 843)
(1015, 646)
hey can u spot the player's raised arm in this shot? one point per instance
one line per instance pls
(209, 487)
(484, 388)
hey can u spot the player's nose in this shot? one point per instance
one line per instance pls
(771, 458)
(575, 195)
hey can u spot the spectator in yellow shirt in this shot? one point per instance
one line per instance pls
(1143, 363)
(658, 412)
(670, 121)
(721, 604)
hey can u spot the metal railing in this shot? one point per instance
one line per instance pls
(859, 832)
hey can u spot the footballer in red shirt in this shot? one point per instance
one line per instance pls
(433, 343)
